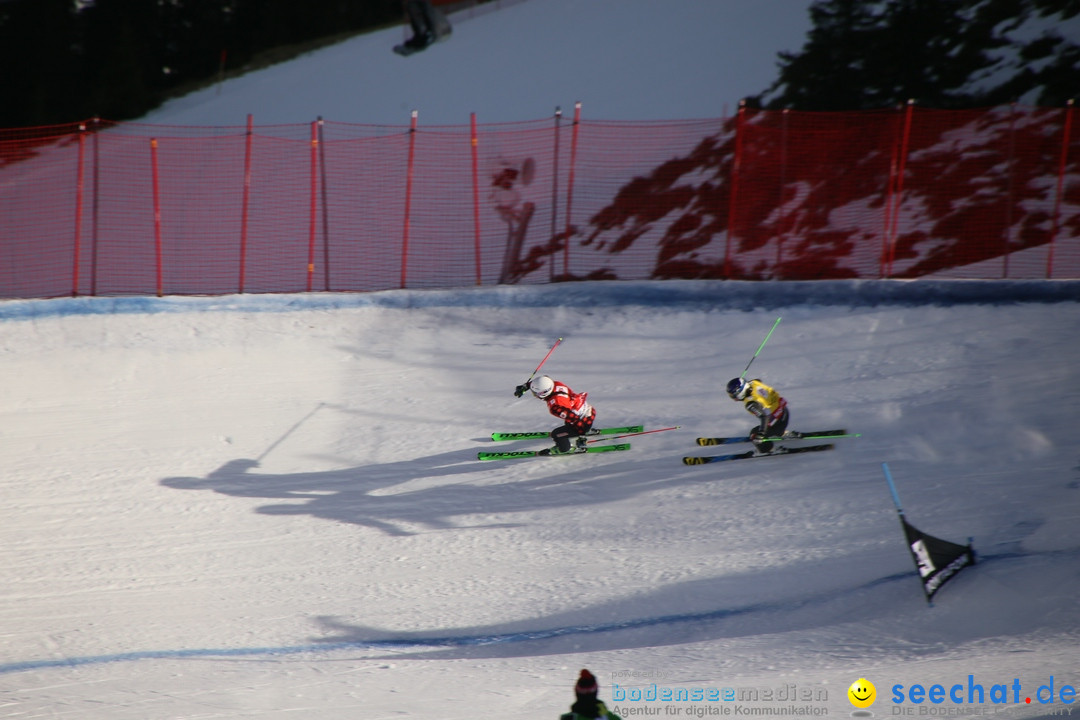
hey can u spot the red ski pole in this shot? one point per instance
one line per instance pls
(520, 389)
(544, 360)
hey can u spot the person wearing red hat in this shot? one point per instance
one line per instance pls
(587, 706)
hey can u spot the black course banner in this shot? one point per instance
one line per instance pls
(937, 560)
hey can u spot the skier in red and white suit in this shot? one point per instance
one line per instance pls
(571, 407)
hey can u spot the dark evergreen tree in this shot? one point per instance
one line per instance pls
(926, 51)
(123, 52)
(39, 44)
(870, 54)
(830, 73)
(1044, 69)
(67, 60)
(196, 38)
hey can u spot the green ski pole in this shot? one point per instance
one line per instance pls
(762, 345)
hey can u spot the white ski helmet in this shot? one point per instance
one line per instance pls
(542, 386)
(738, 388)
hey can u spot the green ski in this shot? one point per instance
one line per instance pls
(544, 453)
(541, 434)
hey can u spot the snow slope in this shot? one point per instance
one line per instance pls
(271, 507)
(622, 59)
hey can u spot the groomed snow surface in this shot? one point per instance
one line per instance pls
(511, 61)
(270, 506)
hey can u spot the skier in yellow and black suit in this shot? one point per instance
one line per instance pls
(766, 405)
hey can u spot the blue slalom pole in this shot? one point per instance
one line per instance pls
(892, 488)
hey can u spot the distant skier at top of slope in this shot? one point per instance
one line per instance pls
(586, 705)
(567, 405)
(764, 403)
(428, 25)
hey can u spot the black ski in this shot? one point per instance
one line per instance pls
(752, 455)
(790, 435)
(513, 455)
(542, 434)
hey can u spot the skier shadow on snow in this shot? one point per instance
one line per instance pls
(365, 495)
(741, 605)
(860, 611)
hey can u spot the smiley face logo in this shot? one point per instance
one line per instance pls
(862, 693)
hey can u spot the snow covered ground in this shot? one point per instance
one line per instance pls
(622, 59)
(271, 507)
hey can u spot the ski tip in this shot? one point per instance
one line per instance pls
(694, 460)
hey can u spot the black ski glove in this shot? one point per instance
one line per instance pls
(520, 389)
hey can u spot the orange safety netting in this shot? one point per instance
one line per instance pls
(102, 208)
